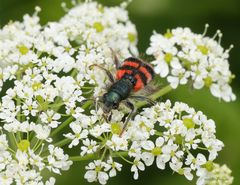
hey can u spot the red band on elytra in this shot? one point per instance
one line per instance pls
(132, 64)
(146, 73)
(139, 84)
(121, 72)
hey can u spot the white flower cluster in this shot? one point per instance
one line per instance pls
(218, 175)
(24, 166)
(45, 75)
(82, 37)
(183, 56)
(175, 135)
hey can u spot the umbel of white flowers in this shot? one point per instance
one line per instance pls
(45, 76)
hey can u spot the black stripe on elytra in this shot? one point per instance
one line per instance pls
(149, 69)
(132, 59)
(135, 71)
(138, 61)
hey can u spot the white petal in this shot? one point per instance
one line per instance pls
(159, 141)
(160, 163)
(148, 145)
(148, 158)
(162, 68)
(215, 90)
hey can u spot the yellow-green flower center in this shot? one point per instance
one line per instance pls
(189, 123)
(30, 108)
(168, 34)
(98, 26)
(131, 37)
(181, 171)
(98, 168)
(116, 128)
(231, 78)
(23, 145)
(178, 139)
(23, 49)
(49, 119)
(209, 166)
(168, 57)
(208, 81)
(36, 86)
(172, 153)
(203, 49)
(156, 151)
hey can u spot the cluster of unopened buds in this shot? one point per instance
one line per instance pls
(46, 86)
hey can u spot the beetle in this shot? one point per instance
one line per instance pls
(132, 76)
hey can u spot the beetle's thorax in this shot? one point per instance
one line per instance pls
(123, 87)
(119, 91)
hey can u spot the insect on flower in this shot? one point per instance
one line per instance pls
(132, 76)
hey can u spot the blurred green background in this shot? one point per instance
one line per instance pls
(160, 15)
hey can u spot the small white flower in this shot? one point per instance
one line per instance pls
(3, 142)
(90, 146)
(42, 132)
(79, 134)
(117, 143)
(154, 151)
(30, 107)
(97, 130)
(57, 160)
(96, 172)
(137, 165)
(50, 118)
(113, 167)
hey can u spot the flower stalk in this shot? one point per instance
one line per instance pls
(155, 95)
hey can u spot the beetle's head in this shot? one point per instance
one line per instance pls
(111, 101)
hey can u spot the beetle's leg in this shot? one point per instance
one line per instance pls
(94, 100)
(95, 103)
(86, 100)
(109, 74)
(143, 98)
(131, 106)
(108, 116)
(115, 58)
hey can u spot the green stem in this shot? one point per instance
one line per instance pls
(37, 142)
(84, 158)
(58, 104)
(104, 153)
(62, 142)
(11, 150)
(123, 158)
(94, 156)
(62, 126)
(201, 148)
(12, 141)
(155, 95)
(68, 121)
(15, 140)
(58, 144)
(40, 143)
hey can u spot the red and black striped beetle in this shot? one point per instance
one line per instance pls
(132, 75)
